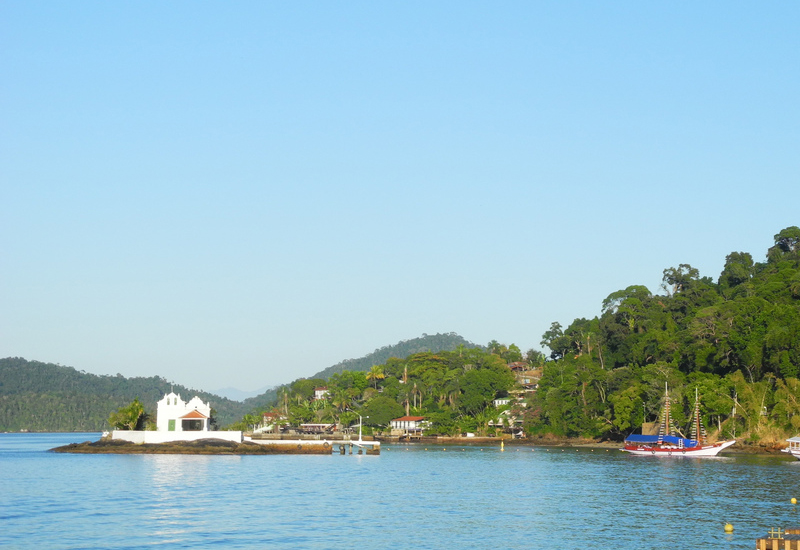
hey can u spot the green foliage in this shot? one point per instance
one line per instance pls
(452, 389)
(431, 343)
(380, 411)
(736, 341)
(129, 417)
(39, 396)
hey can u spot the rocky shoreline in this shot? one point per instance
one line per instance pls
(198, 447)
(315, 447)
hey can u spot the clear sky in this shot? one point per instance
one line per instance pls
(242, 194)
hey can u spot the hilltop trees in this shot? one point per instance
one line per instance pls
(450, 388)
(737, 340)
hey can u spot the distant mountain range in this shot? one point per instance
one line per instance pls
(235, 394)
(38, 396)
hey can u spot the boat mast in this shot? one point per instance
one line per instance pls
(666, 422)
(698, 431)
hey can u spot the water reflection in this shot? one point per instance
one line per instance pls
(181, 494)
(465, 497)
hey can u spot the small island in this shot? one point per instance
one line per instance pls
(183, 428)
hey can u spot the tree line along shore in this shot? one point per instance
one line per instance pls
(734, 340)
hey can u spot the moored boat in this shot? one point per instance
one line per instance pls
(794, 447)
(670, 443)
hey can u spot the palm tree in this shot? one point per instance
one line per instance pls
(341, 400)
(251, 421)
(375, 373)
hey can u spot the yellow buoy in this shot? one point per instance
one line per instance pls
(502, 445)
(728, 528)
(794, 500)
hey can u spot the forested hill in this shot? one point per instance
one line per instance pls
(736, 340)
(438, 342)
(39, 396)
(449, 341)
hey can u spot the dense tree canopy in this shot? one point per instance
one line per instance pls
(40, 396)
(736, 340)
(449, 388)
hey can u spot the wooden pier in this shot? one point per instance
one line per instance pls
(323, 446)
(780, 539)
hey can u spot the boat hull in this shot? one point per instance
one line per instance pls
(704, 450)
(794, 452)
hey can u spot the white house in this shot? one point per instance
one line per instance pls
(320, 393)
(408, 425)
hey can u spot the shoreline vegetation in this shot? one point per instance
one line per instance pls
(734, 342)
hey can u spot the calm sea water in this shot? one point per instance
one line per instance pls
(408, 497)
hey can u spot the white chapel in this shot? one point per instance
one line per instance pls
(175, 415)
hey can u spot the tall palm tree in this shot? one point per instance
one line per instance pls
(375, 373)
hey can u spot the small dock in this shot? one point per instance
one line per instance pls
(322, 446)
(780, 539)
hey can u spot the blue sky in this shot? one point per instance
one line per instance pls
(242, 195)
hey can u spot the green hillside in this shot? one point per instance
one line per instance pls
(39, 396)
(426, 343)
(735, 341)
(437, 342)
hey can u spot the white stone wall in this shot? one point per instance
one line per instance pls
(165, 437)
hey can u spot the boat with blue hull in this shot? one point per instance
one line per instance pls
(669, 442)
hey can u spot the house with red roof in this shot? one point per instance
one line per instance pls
(408, 425)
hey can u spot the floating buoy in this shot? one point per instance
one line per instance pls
(502, 445)
(794, 500)
(728, 528)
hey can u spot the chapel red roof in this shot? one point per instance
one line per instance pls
(409, 418)
(194, 414)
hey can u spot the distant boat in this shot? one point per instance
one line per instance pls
(669, 443)
(794, 447)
